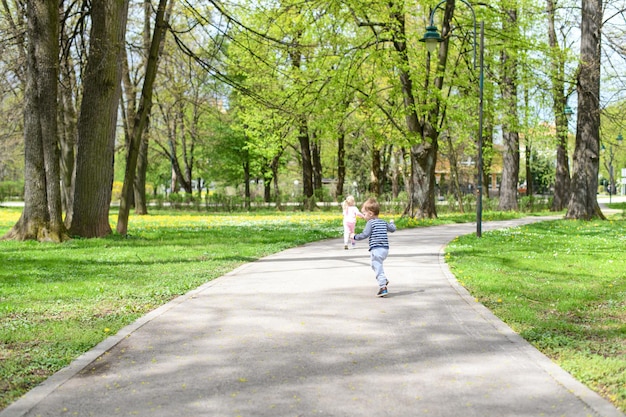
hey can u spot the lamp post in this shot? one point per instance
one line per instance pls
(432, 38)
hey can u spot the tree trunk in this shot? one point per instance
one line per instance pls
(67, 137)
(454, 172)
(316, 157)
(275, 166)
(387, 156)
(375, 171)
(141, 120)
(528, 156)
(98, 120)
(423, 161)
(139, 186)
(487, 151)
(396, 173)
(267, 184)
(583, 203)
(129, 113)
(68, 129)
(557, 66)
(41, 218)
(510, 171)
(341, 162)
(307, 165)
(422, 137)
(303, 134)
(246, 182)
(510, 135)
(562, 187)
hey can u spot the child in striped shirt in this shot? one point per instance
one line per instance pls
(376, 230)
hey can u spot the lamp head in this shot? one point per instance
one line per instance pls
(568, 111)
(431, 38)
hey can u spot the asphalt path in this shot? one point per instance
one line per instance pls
(301, 333)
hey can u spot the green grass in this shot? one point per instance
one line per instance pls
(562, 286)
(59, 300)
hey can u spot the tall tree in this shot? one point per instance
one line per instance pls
(301, 122)
(98, 120)
(132, 78)
(422, 132)
(510, 128)
(41, 218)
(141, 118)
(583, 203)
(13, 62)
(559, 100)
(68, 114)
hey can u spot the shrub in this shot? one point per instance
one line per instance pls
(11, 189)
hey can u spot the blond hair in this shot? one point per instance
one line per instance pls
(372, 206)
(349, 201)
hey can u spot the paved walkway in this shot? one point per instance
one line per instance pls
(301, 333)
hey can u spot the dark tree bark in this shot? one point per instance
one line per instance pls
(246, 181)
(139, 185)
(528, 156)
(68, 116)
(510, 135)
(487, 149)
(375, 171)
(341, 161)
(454, 174)
(307, 165)
(275, 164)
(98, 120)
(141, 120)
(583, 203)
(41, 218)
(267, 182)
(422, 135)
(181, 177)
(295, 54)
(557, 66)
(316, 158)
(397, 168)
(341, 151)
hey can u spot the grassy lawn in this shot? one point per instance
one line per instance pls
(562, 286)
(59, 300)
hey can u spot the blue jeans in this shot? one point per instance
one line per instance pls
(378, 255)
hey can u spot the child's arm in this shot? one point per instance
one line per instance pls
(365, 233)
(391, 226)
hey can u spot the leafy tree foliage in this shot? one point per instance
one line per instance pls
(272, 92)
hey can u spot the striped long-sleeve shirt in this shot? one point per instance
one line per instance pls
(376, 230)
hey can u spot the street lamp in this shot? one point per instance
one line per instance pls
(568, 112)
(432, 38)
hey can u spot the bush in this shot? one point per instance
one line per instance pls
(175, 200)
(159, 199)
(11, 190)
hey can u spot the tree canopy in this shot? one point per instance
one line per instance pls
(317, 99)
